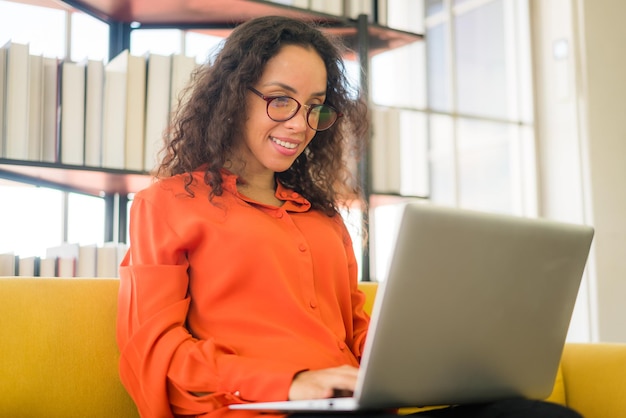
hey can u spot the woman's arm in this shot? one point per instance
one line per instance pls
(161, 363)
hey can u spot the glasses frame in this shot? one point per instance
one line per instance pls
(309, 108)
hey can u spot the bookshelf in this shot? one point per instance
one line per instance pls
(362, 35)
(219, 17)
(94, 181)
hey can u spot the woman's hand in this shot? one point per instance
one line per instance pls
(325, 383)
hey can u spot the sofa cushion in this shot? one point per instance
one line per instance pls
(58, 349)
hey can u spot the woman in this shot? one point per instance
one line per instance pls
(241, 281)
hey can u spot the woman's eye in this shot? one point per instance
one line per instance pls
(281, 102)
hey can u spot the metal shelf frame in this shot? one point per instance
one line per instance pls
(363, 35)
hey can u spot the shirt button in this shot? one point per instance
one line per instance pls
(302, 247)
(279, 214)
(342, 345)
(312, 304)
(237, 393)
(295, 195)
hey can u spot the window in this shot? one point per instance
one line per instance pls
(95, 46)
(42, 28)
(469, 140)
(30, 219)
(480, 106)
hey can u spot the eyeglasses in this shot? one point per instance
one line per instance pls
(319, 117)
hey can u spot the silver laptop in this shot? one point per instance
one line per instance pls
(475, 308)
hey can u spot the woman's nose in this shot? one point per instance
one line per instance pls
(298, 121)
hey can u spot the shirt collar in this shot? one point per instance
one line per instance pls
(294, 201)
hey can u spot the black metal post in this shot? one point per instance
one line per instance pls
(119, 38)
(364, 165)
(109, 217)
(122, 207)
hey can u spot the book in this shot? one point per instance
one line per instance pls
(65, 256)
(385, 163)
(47, 267)
(51, 110)
(28, 266)
(72, 138)
(182, 69)
(135, 112)
(65, 267)
(35, 108)
(353, 8)
(94, 102)
(16, 104)
(114, 112)
(110, 255)
(8, 264)
(86, 261)
(331, 7)
(3, 94)
(82, 260)
(414, 166)
(159, 73)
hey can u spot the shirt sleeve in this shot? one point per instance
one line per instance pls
(360, 319)
(161, 363)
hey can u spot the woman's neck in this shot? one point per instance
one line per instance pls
(260, 187)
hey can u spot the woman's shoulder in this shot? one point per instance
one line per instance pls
(179, 185)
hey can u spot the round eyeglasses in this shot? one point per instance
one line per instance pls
(319, 117)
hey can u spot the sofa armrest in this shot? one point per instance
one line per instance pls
(594, 375)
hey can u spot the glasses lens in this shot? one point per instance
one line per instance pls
(322, 117)
(282, 108)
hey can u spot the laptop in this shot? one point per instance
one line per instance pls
(475, 307)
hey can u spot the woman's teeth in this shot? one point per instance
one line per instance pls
(287, 145)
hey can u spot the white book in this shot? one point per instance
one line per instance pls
(135, 112)
(94, 103)
(65, 267)
(110, 255)
(3, 96)
(331, 7)
(414, 171)
(114, 112)
(28, 266)
(302, 4)
(87, 260)
(394, 152)
(51, 109)
(16, 105)
(72, 138)
(65, 256)
(157, 106)
(385, 162)
(354, 8)
(7, 264)
(35, 107)
(47, 267)
(182, 68)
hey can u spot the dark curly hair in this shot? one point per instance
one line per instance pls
(209, 120)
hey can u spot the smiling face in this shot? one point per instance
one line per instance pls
(268, 146)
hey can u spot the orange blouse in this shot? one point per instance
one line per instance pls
(232, 297)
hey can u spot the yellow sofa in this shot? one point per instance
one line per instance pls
(58, 356)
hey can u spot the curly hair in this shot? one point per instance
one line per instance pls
(204, 130)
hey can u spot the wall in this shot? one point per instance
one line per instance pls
(580, 88)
